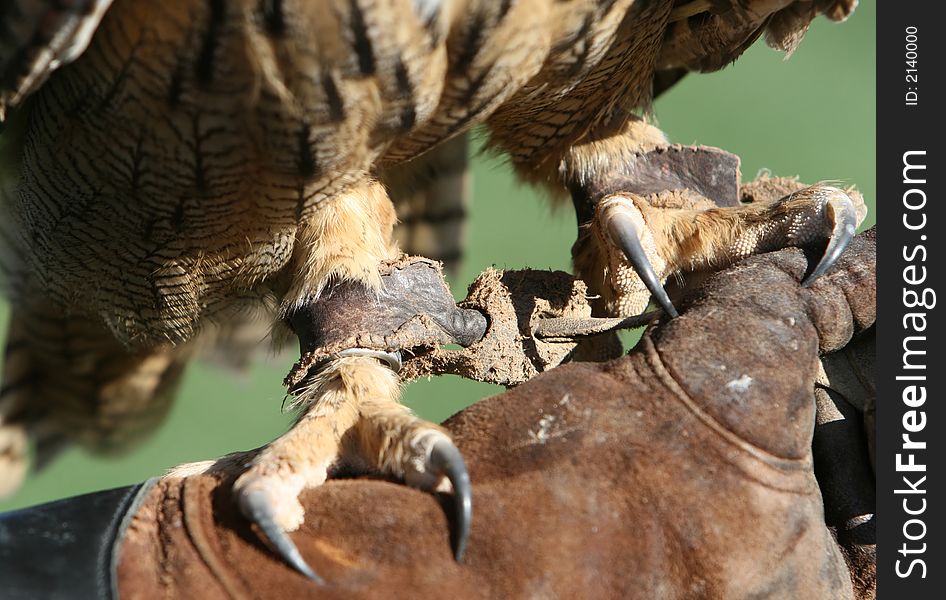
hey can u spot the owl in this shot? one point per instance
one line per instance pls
(178, 169)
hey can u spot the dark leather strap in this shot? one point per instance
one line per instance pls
(65, 549)
(412, 310)
(699, 170)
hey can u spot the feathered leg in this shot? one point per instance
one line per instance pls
(354, 424)
(351, 418)
(647, 212)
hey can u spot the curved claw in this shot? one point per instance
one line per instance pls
(256, 507)
(624, 233)
(845, 225)
(445, 460)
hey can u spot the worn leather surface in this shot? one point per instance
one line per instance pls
(681, 470)
(851, 372)
(509, 354)
(699, 171)
(414, 312)
(63, 550)
(838, 304)
(845, 397)
(413, 309)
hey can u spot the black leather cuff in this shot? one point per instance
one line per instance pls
(68, 548)
(412, 310)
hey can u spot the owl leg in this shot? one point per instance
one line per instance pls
(642, 245)
(648, 209)
(354, 304)
(355, 424)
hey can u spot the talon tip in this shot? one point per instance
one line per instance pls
(446, 459)
(845, 226)
(257, 508)
(624, 232)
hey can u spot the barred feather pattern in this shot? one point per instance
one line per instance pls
(205, 157)
(432, 194)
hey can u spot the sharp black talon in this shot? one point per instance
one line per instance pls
(845, 225)
(624, 233)
(445, 459)
(256, 507)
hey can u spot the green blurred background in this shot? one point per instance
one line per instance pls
(812, 116)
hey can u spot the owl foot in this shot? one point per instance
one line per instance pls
(351, 338)
(644, 244)
(353, 424)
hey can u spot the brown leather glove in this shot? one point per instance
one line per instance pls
(683, 469)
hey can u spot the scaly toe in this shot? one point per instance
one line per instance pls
(620, 226)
